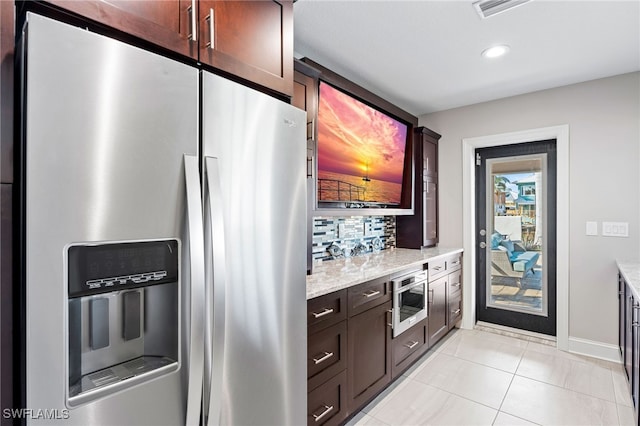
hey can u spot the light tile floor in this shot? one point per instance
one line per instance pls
(476, 377)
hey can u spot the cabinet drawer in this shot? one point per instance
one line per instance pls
(455, 310)
(454, 263)
(327, 404)
(405, 346)
(368, 295)
(326, 310)
(455, 283)
(437, 268)
(326, 354)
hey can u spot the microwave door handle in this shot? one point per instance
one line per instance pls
(196, 271)
(216, 278)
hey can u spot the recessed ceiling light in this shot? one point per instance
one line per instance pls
(495, 51)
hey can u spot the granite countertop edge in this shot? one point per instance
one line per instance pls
(338, 274)
(630, 271)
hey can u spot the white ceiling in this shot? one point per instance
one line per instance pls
(424, 56)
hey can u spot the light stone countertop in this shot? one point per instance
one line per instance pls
(334, 275)
(630, 271)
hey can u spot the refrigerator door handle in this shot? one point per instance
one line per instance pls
(215, 298)
(197, 280)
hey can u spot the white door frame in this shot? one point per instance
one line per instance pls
(561, 135)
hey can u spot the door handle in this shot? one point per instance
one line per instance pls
(191, 10)
(212, 32)
(197, 289)
(215, 274)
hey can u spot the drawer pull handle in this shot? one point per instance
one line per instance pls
(411, 345)
(327, 410)
(437, 268)
(324, 357)
(326, 311)
(456, 312)
(455, 285)
(371, 293)
(455, 263)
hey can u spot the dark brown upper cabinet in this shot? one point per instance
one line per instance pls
(250, 39)
(167, 23)
(421, 228)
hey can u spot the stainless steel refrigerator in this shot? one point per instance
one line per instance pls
(163, 240)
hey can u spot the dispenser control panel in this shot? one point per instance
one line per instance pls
(102, 268)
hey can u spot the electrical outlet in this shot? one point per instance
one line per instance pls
(615, 229)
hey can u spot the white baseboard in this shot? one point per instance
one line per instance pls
(594, 349)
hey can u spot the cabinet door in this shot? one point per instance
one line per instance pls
(327, 404)
(621, 316)
(438, 310)
(407, 347)
(628, 338)
(429, 158)
(250, 39)
(363, 297)
(326, 354)
(430, 201)
(167, 23)
(324, 311)
(635, 368)
(421, 228)
(368, 355)
(455, 311)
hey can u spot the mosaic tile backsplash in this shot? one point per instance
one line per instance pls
(352, 235)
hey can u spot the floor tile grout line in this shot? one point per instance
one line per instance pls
(567, 389)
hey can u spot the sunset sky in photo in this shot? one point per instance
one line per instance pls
(352, 135)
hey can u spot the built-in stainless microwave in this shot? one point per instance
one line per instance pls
(409, 300)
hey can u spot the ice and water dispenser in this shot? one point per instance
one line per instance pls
(123, 315)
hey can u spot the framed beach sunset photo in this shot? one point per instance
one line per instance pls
(360, 152)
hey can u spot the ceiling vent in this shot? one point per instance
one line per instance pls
(488, 8)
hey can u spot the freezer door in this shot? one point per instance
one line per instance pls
(106, 127)
(254, 149)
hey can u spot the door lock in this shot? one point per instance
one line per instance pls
(483, 245)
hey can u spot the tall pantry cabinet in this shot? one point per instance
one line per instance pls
(421, 228)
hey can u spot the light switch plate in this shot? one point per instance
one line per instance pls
(592, 228)
(615, 229)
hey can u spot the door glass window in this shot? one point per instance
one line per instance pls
(516, 234)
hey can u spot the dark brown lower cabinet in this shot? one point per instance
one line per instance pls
(408, 347)
(368, 355)
(326, 354)
(438, 310)
(351, 355)
(629, 340)
(327, 404)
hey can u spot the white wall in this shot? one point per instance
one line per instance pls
(604, 141)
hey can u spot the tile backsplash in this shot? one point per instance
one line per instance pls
(347, 232)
